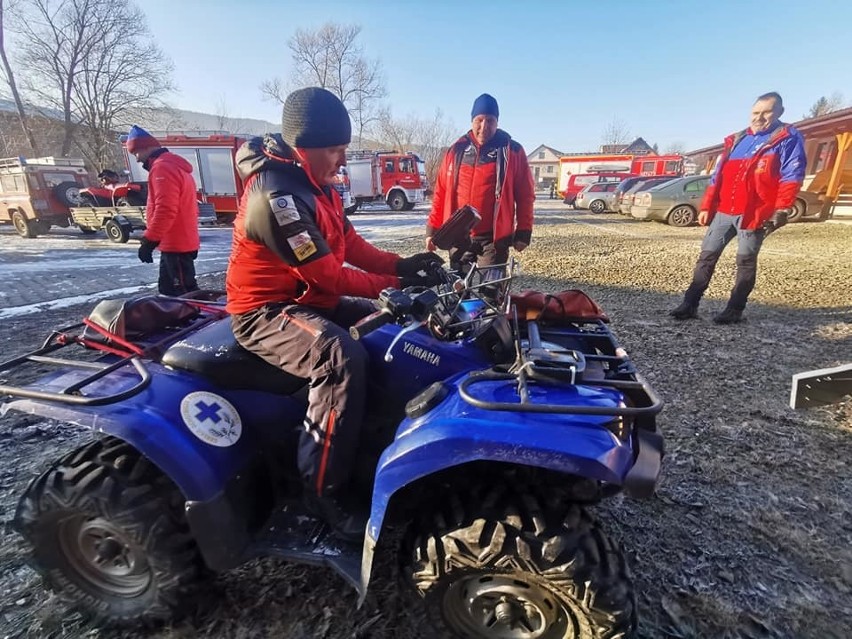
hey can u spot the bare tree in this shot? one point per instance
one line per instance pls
(123, 72)
(223, 114)
(429, 138)
(9, 77)
(616, 132)
(675, 148)
(90, 60)
(330, 57)
(826, 105)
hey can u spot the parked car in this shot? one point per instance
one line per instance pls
(38, 193)
(675, 202)
(597, 197)
(579, 181)
(626, 189)
(808, 207)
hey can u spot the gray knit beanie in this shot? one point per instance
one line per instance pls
(315, 118)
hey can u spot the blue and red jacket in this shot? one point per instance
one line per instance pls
(756, 175)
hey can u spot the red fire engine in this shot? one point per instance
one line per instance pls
(396, 178)
(211, 154)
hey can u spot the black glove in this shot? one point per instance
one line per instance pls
(778, 219)
(429, 280)
(146, 250)
(416, 263)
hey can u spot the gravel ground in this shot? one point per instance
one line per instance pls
(750, 533)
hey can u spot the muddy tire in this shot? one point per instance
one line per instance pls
(508, 565)
(107, 533)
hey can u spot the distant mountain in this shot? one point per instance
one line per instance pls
(183, 120)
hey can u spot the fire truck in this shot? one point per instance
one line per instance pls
(396, 178)
(627, 164)
(211, 154)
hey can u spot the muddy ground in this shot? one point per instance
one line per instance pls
(750, 533)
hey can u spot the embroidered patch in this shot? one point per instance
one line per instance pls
(762, 165)
(303, 246)
(284, 210)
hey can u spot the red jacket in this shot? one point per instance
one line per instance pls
(172, 211)
(291, 238)
(494, 179)
(757, 185)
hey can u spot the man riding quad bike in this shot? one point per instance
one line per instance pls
(489, 435)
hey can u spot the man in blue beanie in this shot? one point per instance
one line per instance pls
(171, 216)
(487, 170)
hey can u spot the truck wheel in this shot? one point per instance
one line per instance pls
(798, 211)
(516, 567)
(107, 533)
(396, 200)
(682, 216)
(24, 227)
(118, 233)
(68, 193)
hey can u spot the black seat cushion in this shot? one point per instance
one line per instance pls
(214, 353)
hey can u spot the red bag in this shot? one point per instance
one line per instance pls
(565, 306)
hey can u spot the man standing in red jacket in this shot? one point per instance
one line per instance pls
(754, 186)
(171, 214)
(487, 170)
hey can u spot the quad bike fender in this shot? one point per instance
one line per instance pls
(199, 470)
(456, 433)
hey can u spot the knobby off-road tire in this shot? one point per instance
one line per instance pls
(504, 564)
(107, 533)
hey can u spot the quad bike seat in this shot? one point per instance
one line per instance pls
(213, 352)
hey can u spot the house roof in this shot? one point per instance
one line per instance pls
(828, 124)
(541, 147)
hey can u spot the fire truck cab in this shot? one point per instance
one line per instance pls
(396, 178)
(211, 154)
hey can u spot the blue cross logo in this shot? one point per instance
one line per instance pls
(208, 411)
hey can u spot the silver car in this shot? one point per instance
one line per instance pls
(675, 203)
(597, 197)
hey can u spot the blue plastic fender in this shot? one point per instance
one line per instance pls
(155, 422)
(455, 433)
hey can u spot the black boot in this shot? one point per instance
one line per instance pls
(729, 316)
(346, 526)
(685, 311)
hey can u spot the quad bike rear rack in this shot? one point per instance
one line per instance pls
(129, 355)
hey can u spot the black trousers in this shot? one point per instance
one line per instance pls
(177, 273)
(315, 344)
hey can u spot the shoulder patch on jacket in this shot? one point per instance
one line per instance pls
(284, 209)
(302, 244)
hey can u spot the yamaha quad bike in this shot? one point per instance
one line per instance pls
(489, 437)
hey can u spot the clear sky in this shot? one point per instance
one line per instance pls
(672, 71)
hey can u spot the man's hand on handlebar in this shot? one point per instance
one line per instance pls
(421, 262)
(432, 278)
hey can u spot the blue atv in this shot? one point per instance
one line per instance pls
(488, 438)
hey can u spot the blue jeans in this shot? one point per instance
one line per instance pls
(721, 231)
